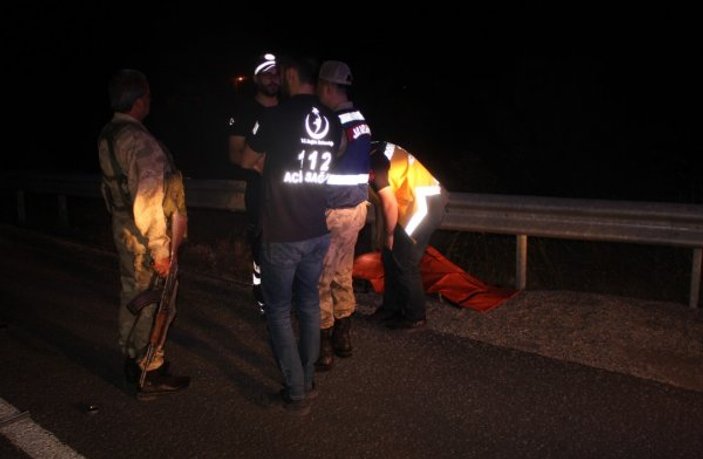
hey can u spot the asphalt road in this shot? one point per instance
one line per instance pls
(431, 393)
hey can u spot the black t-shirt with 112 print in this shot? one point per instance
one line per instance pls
(300, 138)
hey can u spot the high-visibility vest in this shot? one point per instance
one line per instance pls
(412, 184)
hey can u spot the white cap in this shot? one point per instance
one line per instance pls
(266, 63)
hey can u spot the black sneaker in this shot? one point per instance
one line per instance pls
(294, 407)
(312, 394)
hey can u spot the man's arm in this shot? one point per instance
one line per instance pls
(252, 159)
(389, 204)
(236, 149)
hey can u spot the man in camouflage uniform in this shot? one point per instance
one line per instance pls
(137, 174)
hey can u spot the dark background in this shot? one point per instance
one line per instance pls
(586, 100)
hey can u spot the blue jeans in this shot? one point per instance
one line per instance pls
(290, 272)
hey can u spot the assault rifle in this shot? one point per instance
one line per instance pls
(164, 291)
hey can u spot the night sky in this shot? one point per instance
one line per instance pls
(520, 98)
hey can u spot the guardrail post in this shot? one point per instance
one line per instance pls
(21, 209)
(521, 261)
(695, 277)
(63, 211)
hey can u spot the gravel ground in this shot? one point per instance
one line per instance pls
(648, 339)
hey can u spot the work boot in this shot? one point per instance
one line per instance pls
(341, 337)
(326, 359)
(132, 370)
(161, 383)
(157, 382)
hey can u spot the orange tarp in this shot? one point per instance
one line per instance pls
(439, 275)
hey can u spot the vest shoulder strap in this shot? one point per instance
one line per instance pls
(118, 179)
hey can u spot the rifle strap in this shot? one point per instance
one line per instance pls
(147, 297)
(152, 295)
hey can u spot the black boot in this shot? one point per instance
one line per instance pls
(341, 337)
(160, 382)
(326, 359)
(157, 382)
(132, 370)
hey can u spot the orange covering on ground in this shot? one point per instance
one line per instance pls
(439, 275)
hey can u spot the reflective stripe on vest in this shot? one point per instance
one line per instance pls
(412, 184)
(421, 195)
(351, 116)
(347, 179)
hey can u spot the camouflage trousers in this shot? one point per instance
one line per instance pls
(136, 275)
(337, 299)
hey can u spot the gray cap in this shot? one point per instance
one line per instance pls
(336, 72)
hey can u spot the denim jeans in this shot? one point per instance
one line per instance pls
(290, 272)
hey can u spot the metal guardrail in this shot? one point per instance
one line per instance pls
(669, 224)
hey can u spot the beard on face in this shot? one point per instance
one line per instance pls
(270, 89)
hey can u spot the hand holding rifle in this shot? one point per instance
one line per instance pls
(168, 286)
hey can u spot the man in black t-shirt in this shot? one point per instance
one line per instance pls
(294, 147)
(267, 83)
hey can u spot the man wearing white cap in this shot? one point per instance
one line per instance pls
(267, 81)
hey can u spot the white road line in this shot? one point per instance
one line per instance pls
(31, 437)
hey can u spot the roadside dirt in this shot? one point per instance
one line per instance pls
(618, 307)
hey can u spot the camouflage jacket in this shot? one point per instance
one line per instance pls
(146, 163)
